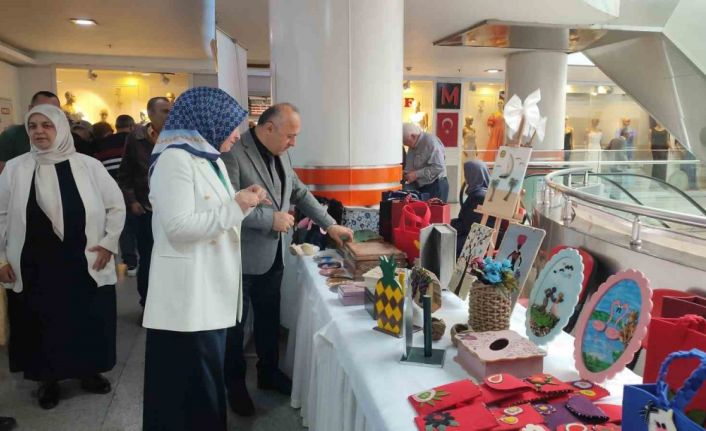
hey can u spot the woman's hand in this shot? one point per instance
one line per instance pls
(102, 259)
(252, 197)
(7, 275)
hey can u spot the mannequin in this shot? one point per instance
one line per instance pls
(496, 131)
(659, 146)
(104, 115)
(568, 139)
(594, 135)
(419, 117)
(70, 108)
(469, 140)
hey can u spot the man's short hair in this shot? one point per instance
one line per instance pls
(43, 93)
(153, 102)
(409, 129)
(123, 121)
(275, 112)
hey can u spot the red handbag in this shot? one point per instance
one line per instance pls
(668, 335)
(415, 217)
(440, 211)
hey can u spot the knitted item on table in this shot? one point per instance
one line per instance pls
(489, 308)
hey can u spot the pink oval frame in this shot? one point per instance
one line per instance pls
(640, 331)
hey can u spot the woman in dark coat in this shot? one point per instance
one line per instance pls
(477, 180)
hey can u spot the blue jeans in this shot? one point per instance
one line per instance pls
(437, 189)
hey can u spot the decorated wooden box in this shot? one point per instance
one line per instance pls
(483, 354)
(351, 293)
(361, 257)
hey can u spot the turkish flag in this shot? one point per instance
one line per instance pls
(447, 128)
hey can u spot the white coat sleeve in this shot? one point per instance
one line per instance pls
(114, 204)
(4, 207)
(173, 201)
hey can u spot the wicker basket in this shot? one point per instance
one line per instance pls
(488, 308)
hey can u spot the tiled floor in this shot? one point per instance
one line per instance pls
(121, 410)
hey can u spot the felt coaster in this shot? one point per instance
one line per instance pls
(444, 397)
(615, 413)
(474, 417)
(589, 390)
(499, 387)
(585, 410)
(516, 417)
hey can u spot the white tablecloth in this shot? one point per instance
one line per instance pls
(348, 377)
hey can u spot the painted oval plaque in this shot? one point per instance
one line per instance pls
(554, 296)
(612, 325)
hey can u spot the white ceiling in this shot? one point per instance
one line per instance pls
(144, 28)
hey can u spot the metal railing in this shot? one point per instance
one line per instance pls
(637, 211)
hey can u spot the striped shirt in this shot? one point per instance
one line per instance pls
(110, 152)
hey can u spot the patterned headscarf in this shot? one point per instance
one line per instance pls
(202, 118)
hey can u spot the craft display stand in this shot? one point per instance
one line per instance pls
(425, 356)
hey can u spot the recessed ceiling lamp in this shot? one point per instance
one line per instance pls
(83, 21)
(493, 70)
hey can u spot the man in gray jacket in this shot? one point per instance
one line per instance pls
(425, 163)
(261, 158)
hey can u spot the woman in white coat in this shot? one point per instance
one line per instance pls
(61, 215)
(195, 277)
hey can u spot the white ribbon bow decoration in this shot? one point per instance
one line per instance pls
(515, 110)
(540, 129)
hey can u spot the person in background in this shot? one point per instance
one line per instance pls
(110, 153)
(629, 134)
(690, 168)
(14, 141)
(425, 163)
(82, 132)
(134, 182)
(61, 215)
(659, 145)
(101, 129)
(195, 290)
(261, 158)
(477, 179)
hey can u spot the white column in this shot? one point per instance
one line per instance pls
(340, 63)
(546, 70)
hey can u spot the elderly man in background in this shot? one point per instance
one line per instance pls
(425, 163)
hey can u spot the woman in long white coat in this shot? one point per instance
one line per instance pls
(195, 277)
(61, 215)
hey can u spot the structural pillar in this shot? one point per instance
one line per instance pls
(546, 70)
(340, 63)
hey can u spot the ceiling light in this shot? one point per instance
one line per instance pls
(406, 85)
(145, 74)
(165, 79)
(83, 21)
(92, 75)
(493, 70)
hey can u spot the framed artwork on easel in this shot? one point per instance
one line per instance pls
(506, 180)
(520, 245)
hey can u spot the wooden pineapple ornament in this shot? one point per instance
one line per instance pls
(389, 299)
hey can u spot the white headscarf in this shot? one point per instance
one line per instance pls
(46, 183)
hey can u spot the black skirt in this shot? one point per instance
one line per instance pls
(62, 325)
(184, 381)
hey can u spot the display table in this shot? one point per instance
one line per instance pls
(348, 377)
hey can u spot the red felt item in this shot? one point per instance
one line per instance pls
(474, 417)
(516, 417)
(581, 427)
(444, 397)
(615, 413)
(415, 217)
(499, 387)
(668, 335)
(440, 211)
(544, 387)
(588, 389)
